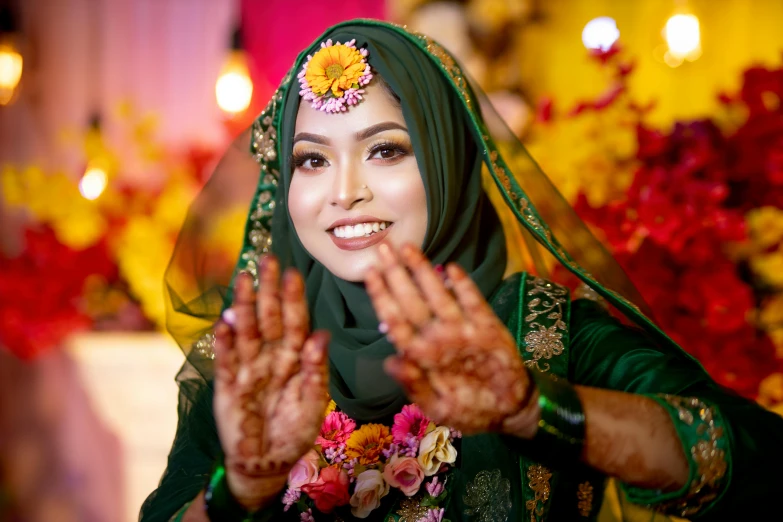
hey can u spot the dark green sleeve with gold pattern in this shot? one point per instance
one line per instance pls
(734, 447)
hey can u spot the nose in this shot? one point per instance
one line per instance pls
(348, 188)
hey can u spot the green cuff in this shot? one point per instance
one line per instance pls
(177, 517)
(706, 445)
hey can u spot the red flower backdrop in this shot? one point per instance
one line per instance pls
(689, 228)
(43, 291)
(97, 264)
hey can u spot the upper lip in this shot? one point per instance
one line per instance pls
(355, 221)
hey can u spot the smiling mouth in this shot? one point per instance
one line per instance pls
(360, 229)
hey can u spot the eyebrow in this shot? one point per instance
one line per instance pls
(360, 136)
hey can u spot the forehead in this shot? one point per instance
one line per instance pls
(377, 106)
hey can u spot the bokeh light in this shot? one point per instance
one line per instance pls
(600, 33)
(234, 88)
(93, 183)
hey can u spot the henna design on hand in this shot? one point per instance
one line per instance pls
(270, 382)
(455, 358)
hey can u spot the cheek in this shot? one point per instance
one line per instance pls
(405, 195)
(305, 200)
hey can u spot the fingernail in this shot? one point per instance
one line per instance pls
(229, 316)
(441, 272)
(384, 249)
(383, 327)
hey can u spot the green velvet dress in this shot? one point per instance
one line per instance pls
(732, 445)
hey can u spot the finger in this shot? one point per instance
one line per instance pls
(392, 321)
(431, 284)
(270, 318)
(469, 297)
(248, 338)
(403, 288)
(296, 320)
(226, 360)
(314, 369)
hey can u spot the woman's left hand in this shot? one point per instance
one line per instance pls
(455, 358)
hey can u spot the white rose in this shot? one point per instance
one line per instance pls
(436, 449)
(370, 489)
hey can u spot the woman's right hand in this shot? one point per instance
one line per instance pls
(270, 383)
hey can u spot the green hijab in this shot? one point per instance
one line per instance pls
(462, 226)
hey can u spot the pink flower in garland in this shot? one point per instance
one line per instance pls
(335, 430)
(410, 421)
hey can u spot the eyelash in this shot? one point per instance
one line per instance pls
(298, 159)
(401, 149)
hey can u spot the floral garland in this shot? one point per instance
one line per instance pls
(358, 466)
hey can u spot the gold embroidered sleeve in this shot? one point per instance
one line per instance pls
(703, 435)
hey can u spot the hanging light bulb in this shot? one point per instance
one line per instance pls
(95, 178)
(94, 182)
(600, 33)
(234, 88)
(11, 61)
(683, 38)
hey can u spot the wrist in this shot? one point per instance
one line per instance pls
(254, 493)
(232, 496)
(558, 435)
(524, 423)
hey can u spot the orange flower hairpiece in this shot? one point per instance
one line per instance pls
(332, 79)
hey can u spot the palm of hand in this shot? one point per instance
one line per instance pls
(467, 375)
(270, 382)
(455, 358)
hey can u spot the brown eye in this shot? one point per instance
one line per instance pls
(309, 161)
(387, 152)
(315, 163)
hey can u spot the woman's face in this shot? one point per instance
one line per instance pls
(355, 183)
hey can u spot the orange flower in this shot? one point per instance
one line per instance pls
(367, 443)
(336, 68)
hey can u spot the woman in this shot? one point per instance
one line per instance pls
(370, 150)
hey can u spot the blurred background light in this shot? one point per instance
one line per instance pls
(600, 33)
(683, 38)
(234, 87)
(11, 61)
(93, 183)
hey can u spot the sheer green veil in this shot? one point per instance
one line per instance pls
(540, 227)
(491, 209)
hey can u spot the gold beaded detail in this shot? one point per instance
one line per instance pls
(545, 338)
(584, 498)
(538, 478)
(707, 452)
(205, 346)
(488, 497)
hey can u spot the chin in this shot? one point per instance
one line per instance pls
(353, 266)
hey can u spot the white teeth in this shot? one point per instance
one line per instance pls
(360, 230)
